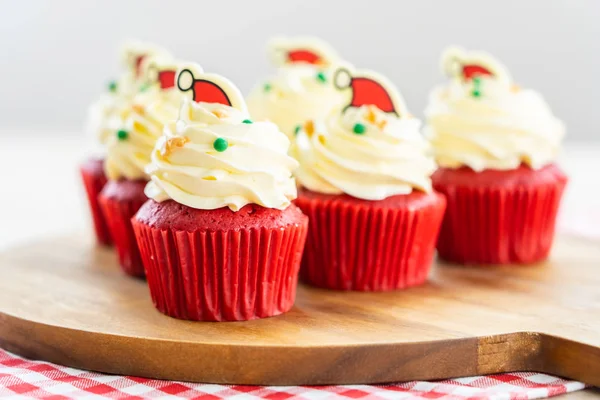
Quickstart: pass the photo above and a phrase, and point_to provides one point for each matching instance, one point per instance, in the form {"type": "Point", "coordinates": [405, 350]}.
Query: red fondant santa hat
{"type": "Point", "coordinates": [166, 78]}
{"type": "Point", "coordinates": [463, 65]}
{"type": "Point", "coordinates": [307, 50]}
{"type": "Point", "coordinates": [209, 88]}
{"type": "Point", "coordinates": [370, 88]}
{"type": "Point", "coordinates": [135, 53]}
{"type": "Point", "coordinates": [160, 69]}
{"type": "Point", "coordinates": [306, 56]}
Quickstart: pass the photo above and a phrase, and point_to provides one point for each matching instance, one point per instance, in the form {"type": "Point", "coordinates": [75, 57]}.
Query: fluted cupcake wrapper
{"type": "Point", "coordinates": [232, 275]}
{"type": "Point", "coordinates": [93, 184]}
{"type": "Point", "coordinates": [369, 248]}
{"type": "Point", "coordinates": [118, 214]}
{"type": "Point", "coordinates": [499, 224]}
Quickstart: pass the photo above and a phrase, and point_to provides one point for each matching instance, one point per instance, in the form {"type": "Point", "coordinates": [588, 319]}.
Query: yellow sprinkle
{"type": "Point", "coordinates": [382, 124]}
{"type": "Point", "coordinates": [124, 113]}
{"type": "Point", "coordinates": [371, 115]}
{"type": "Point", "coordinates": [515, 88]}
{"type": "Point", "coordinates": [322, 139]}
{"type": "Point", "coordinates": [172, 144]}
{"type": "Point", "coordinates": [309, 127]}
{"type": "Point", "coordinates": [138, 126]}
{"type": "Point", "coordinates": [219, 114]}
{"type": "Point", "coordinates": [138, 108]}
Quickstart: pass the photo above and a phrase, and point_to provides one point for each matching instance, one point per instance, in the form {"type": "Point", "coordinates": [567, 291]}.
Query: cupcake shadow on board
{"type": "Point", "coordinates": [219, 237]}
{"type": "Point", "coordinates": [496, 144]}
{"type": "Point", "coordinates": [365, 185]}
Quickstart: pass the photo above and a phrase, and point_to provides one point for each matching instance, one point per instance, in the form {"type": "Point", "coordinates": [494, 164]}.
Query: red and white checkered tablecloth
{"type": "Point", "coordinates": [26, 379]}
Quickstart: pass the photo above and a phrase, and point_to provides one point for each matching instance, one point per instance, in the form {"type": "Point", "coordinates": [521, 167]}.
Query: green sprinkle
{"type": "Point", "coordinates": [122, 134]}
{"type": "Point", "coordinates": [476, 87]}
{"type": "Point", "coordinates": [359, 128]}
{"type": "Point", "coordinates": [247, 121]}
{"type": "Point", "coordinates": [220, 144]}
{"type": "Point", "coordinates": [112, 86]}
{"type": "Point", "coordinates": [321, 77]}
{"type": "Point", "coordinates": [144, 87]}
{"type": "Point", "coordinates": [297, 129]}
{"type": "Point", "coordinates": [267, 87]}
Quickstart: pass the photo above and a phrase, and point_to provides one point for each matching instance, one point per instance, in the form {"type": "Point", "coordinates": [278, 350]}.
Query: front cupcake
{"type": "Point", "coordinates": [129, 148]}
{"type": "Point", "coordinates": [104, 120]}
{"type": "Point", "coordinates": [219, 238]}
{"type": "Point", "coordinates": [302, 88]}
{"type": "Point", "coordinates": [496, 145]}
{"type": "Point", "coordinates": [365, 186]}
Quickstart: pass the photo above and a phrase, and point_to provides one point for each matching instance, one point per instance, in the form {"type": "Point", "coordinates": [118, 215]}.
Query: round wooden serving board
{"type": "Point", "coordinates": [66, 301]}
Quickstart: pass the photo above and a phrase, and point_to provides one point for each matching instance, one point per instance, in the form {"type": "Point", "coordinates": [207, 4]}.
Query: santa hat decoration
{"type": "Point", "coordinates": [209, 88]}
{"type": "Point", "coordinates": [138, 60]}
{"type": "Point", "coordinates": [301, 50]}
{"type": "Point", "coordinates": [134, 54]}
{"type": "Point", "coordinates": [465, 66]}
{"type": "Point", "coordinates": [370, 88]}
{"type": "Point", "coordinates": [166, 78]}
{"type": "Point", "coordinates": [160, 69]}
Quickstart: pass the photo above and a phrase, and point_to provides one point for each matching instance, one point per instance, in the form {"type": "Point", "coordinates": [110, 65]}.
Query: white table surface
{"type": "Point", "coordinates": [41, 192]}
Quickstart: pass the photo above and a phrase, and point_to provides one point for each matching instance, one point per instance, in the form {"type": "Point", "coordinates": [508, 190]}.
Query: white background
{"type": "Point", "coordinates": [57, 55]}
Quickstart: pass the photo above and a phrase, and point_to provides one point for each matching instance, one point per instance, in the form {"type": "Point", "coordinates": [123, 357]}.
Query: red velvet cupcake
{"type": "Point", "coordinates": [496, 144]}
{"type": "Point", "coordinates": [94, 179]}
{"type": "Point", "coordinates": [499, 217]}
{"type": "Point", "coordinates": [128, 154]}
{"type": "Point", "coordinates": [219, 238]}
{"type": "Point", "coordinates": [356, 244]}
{"type": "Point", "coordinates": [366, 188]}
{"type": "Point", "coordinates": [302, 87]}
{"type": "Point", "coordinates": [105, 117]}
{"type": "Point", "coordinates": [120, 200]}
{"type": "Point", "coordinates": [221, 265]}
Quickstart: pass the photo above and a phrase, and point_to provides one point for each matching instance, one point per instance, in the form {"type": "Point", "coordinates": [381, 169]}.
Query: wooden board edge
{"type": "Point", "coordinates": [369, 364]}
{"type": "Point", "coordinates": [571, 359]}
{"type": "Point", "coordinates": [539, 352]}
{"type": "Point", "coordinates": [511, 352]}
{"type": "Point", "coordinates": [224, 364]}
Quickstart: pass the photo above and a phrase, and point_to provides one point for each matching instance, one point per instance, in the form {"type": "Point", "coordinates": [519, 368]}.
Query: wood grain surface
{"type": "Point", "coordinates": [586, 394]}
{"type": "Point", "coordinates": [66, 301]}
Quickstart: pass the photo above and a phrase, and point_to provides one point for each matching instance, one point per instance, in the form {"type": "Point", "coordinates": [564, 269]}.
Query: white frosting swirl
{"type": "Point", "coordinates": [296, 94]}
{"type": "Point", "coordinates": [500, 129]}
{"type": "Point", "coordinates": [255, 167]}
{"type": "Point", "coordinates": [389, 158]}
{"type": "Point", "coordinates": [143, 121]}
{"type": "Point", "coordinates": [104, 115]}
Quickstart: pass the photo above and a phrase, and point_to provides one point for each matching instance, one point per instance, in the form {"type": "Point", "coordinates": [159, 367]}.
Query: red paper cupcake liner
{"type": "Point", "coordinates": [92, 174]}
{"type": "Point", "coordinates": [120, 200]}
{"type": "Point", "coordinates": [364, 245]}
{"type": "Point", "coordinates": [499, 217]}
{"type": "Point", "coordinates": [233, 275]}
